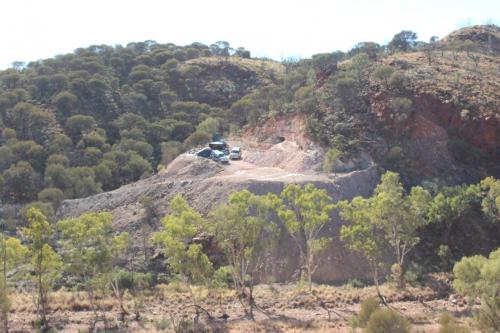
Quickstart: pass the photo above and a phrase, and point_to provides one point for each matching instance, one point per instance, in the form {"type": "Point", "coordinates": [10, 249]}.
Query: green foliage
{"type": "Point", "coordinates": [30, 122]}
{"type": "Point", "coordinates": [402, 108]}
{"type": "Point", "coordinates": [222, 277]}
{"type": "Point", "coordinates": [414, 273]}
{"type": "Point", "coordinates": [358, 64]}
{"type": "Point", "coordinates": [170, 150]}
{"type": "Point", "coordinates": [398, 82]}
{"type": "Point", "coordinates": [445, 254]}
{"type": "Point", "coordinates": [451, 204]}
{"type": "Point", "coordinates": [354, 323]}
{"type": "Point", "coordinates": [368, 307]}
{"type": "Point", "coordinates": [133, 281]}
{"type": "Point", "coordinates": [52, 195]}
{"type": "Point", "coordinates": [179, 228]}
{"type": "Point", "coordinates": [46, 263]}
{"type": "Point", "coordinates": [399, 216]}
{"type": "Point", "coordinates": [391, 213]}
{"type": "Point", "coordinates": [90, 249]}
{"type": "Point", "coordinates": [387, 321]}
{"type": "Point", "coordinates": [243, 232]}
{"type": "Point", "coordinates": [305, 211]}
{"type": "Point", "coordinates": [65, 102]}
{"type": "Point", "coordinates": [332, 155]}
{"type": "Point", "coordinates": [447, 324]}
{"type": "Point", "coordinates": [478, 276]}
{"type": "Point", "coordinates": [89, 244]}
{"type": "Point", "coordinates": [197, 139]}
{"type": "Point", "coordinates": [12, 254]}
{"type": "Point", "coordinates": [383, 73]}
{"type": "Point", "coordinates": [490, 188]}
{"type": "Point", "coordinates": [346, 90]}
{"type": "Point", "coordinates": [19, 183]}
{"type": "Point", "coordinates": [77, 125]}
{"type": "Point", "coordinates": [373, 50]}
{"type": "Point", "coordinates": [403, 41]}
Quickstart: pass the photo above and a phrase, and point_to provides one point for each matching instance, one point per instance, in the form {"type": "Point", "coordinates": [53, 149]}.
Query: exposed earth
{"type": "Point", "coordinates": [275, 154]}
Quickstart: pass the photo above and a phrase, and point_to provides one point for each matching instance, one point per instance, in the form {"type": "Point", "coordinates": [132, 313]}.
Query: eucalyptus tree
{"type": "Point", "coordinates": [244, 232]}
{"type": "Point", "coordinates": [305, 212]}
{"type": "Point", "coordinates": [46, 263]}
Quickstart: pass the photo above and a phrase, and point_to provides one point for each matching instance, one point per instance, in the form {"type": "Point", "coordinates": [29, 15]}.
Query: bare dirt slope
{"type": "Point", "coordinates": [275, 154]}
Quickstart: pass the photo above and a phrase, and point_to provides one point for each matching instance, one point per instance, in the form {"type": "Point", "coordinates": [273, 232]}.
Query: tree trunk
{"type": "Point", "coordinates": [401, 277]}
{"type": "Point", "coordinates": [251, 302]}
{"type": "Point", "coordinates": [309, 277]}
{"type": "Point", "coordinates": [375, 280]}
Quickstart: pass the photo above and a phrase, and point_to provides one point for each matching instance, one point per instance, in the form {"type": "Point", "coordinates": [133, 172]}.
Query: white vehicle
{"type": "Point", "coordinates": [235, 153]}
{"type": "Point", "coordinates": [219, 156]}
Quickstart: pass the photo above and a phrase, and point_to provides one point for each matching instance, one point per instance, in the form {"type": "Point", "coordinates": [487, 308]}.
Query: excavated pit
{"type": "Point", "coordinates": [267, 166]}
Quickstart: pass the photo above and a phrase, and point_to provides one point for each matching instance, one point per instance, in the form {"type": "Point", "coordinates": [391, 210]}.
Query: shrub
{"type": "Point", "coordinates": [51, 194]}
{"type": "Point", "coordinates": [368, 307]}
{"type": "Point", "coordinates": [382, 74]}
{"type": "Point", "coordinates": [354, 323]}
{"type": "Point", "coordinates": [401, 107]}
{"type": "Point", "coordinates": [464, 152]}
{"type": "Point", "coordinates": [398, 81]}
{"type": "Point", "coordinates": [133, 280]}
{"type": "Point", "coordinates": [414, 273]}
{"type": "Point", "coordinates": [448, 325]}
{"type": "Point", "coordinates": [387, 321]}
{"type": "Point", "coordinates": [355, 283]}
{"type": "Point", "coordinates": [331, 156]}
{"type": "Point", "coordinates": [478, 276]}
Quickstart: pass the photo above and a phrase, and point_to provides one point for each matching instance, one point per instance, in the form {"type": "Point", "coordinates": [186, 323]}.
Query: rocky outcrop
{"type": "Point", "coordinates": [486, 37]}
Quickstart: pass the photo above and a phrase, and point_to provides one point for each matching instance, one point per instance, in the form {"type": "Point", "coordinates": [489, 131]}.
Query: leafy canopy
{"type": "Point", "coordinates": [179, 227]}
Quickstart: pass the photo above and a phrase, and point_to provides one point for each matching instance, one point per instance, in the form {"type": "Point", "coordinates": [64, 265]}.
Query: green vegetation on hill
{"type": "Point", "coordinates": [101, 117]}
{"type": "Point", "coordinates": [95, 119]}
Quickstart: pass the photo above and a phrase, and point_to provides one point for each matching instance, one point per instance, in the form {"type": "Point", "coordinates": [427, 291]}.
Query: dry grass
{"type": "Point", "coordinates": [285, 308]}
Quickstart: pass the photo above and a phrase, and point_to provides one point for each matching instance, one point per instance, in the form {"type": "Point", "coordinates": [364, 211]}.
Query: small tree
{"type": "Point", "coordinates": [45, 261]}
{"type": "Point", "coordinates": [451, 204]}
{"type": "Point", "coordinates": [402, 108]}
{"type": "Point", "coordinates": [90, 247]}
{"type": "Point", "coordinates": [490, 188]}
{"type": "Point", "coordinates": [390, 214]}
{"type": "Point", "coordinates": [12, 253]}
{"type": "Point", "coordinates": [332, 155]}
{"type": "Point", "coordinates": [358, 64]}
{"type": "Point", "coordinates": [399, 217]}
{"type": "Point", "coordinates": [403, 41]}
{"type": "Point", "coordinates": [183, 256]}
{"type": "Point", "coordinates": [430, 48]}
{"type": "Point", "coordinates": [361, 235]}
{"type": "Point", "coordinates": [243, 232]}
{"type": "Point", "coordinates": [478, 276]}
{"type": "Point", "coordinates": [383, 73]}
{"type": "Point", "coordinates": [305, 211]}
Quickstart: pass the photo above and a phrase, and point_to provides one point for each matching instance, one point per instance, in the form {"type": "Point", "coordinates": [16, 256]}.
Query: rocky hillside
{"type": "Point", "coordinates": [487, 37]}
{"type": "Point", "coordinates": [271, 160]}
{"type": "Point", "coordinates": [107, 128]}
{"type": "Point", "coordinates": [454, 125]}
